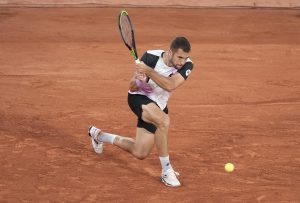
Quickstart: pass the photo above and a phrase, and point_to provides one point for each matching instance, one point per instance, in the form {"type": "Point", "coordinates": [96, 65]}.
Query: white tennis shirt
{"type": "Point", "coordinates": [154, 59]}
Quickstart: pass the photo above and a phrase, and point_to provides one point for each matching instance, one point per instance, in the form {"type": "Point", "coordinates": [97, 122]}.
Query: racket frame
{"type": "Point", "coordinates": [133, 50]}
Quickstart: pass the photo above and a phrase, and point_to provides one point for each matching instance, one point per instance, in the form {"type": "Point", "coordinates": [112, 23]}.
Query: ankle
{"type": "Point", "coordinates": [107, 137]}
{"type": "Point", "coordinates": [165, 163]}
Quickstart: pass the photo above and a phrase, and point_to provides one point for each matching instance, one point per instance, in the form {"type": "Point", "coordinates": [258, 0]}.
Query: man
{"type": "Point", "coordinates": [157, 75]}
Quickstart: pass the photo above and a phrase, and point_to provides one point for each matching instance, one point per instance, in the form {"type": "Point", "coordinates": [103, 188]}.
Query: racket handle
{"type": "Point", "coordinates": [137, 61]}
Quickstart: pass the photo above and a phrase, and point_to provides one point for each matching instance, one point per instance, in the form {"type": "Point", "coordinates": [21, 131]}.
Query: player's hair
{"type": "Point", "coordinates": [180, 43]}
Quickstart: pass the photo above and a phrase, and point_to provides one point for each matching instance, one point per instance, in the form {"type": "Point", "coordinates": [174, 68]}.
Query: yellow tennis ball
{"type": "Point", "coordinates": [229, 167]}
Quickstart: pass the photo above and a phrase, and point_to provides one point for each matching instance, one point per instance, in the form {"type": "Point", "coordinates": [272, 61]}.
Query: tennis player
{"type": "Point", "coordinates": [155, 79]}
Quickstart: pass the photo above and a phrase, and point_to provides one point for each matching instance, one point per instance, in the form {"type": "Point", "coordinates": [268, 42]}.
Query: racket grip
{"type": "Point", "coordinates": [137, 61]}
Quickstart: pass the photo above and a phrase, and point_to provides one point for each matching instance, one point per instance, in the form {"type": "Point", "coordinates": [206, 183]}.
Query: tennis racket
{"type": "Point", "coordinates": [127, 34]}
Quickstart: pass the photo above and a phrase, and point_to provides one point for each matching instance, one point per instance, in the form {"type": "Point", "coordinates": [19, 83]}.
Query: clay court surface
{"type": "Point", "coordinates": [62, 69]}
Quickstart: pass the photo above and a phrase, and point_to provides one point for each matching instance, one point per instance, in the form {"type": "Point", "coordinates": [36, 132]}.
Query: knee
{"type": "Point", "coordinates": [141, 154]}
{"type": "Point", "coordinates": [164, 121]}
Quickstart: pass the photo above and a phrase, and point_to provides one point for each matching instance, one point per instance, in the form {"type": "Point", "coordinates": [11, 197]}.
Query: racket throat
{"type": "Point", "coordinates": [132, 52]}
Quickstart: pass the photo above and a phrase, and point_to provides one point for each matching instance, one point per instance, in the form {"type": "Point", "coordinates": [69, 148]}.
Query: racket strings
{"type": "Point", "coordinates": [126, 30]}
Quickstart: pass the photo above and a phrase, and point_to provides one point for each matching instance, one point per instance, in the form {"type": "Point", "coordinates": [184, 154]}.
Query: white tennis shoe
{"type": "Point", "coordinates": [169, 178]}
{"type": "Point", "coordinates": [93, 133]}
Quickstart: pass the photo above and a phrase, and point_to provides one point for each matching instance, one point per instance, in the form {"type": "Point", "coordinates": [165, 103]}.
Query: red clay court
{"type": "Point", "coordinates": [62, 69]}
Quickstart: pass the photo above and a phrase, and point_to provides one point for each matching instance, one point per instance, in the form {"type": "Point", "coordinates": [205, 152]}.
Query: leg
{"type": "Point", "coordinates": [153, 114]}
{"type": "Point", "coordinates": [140, 147]}
{"type": "Point", "coordinates": [157, 122]}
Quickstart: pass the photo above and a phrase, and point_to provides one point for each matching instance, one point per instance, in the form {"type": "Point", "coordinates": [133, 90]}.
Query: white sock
{"type": "Point", "coordinates": [165, 163]}
{"type": "Point", "coordinates": [107, 137]}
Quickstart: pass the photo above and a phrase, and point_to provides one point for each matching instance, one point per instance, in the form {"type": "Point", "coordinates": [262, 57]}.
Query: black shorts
{"type": "Point", "coordinates": [135, 102]}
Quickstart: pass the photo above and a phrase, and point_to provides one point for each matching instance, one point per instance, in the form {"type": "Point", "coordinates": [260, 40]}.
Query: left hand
{"type": "Point", "coordinates": [141, 76]}
{"type": "Point", "coordinates": [142, 68]}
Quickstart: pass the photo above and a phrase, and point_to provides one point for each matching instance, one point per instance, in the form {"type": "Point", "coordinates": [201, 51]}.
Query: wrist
{"type": "Point", "coordinates": [149, 71]}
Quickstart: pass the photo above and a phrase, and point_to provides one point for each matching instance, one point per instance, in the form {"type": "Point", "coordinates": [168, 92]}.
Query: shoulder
{"type": "Point", "coordinates": [189, 61]}
{"type": "Point", "coordinates": [151, 57]}
{"type": "Point", "coordinates": [155, 52]}
{"type": "Point", "coordinates": [186, 70]}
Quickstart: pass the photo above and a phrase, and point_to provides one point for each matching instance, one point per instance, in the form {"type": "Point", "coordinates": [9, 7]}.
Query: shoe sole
{"type": "Point", "coordinates": [167, 184]}
{"type": "Point", "coordinates": [96, 149]}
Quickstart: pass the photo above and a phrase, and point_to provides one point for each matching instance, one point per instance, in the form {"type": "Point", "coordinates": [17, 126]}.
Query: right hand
{"type": "Point", "coordinates": [141, 76]}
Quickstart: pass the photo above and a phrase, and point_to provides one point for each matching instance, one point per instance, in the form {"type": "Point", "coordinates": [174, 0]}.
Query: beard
{"type": "Point", "coordinates": [172, 64]}
{"type": "Point", "coordinates": [178, 66]}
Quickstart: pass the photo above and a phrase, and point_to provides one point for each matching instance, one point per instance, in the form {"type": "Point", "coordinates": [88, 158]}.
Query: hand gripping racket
{"type": "Point", "coordinates": [127, 34]}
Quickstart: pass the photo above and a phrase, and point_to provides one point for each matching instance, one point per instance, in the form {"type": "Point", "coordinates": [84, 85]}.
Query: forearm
{"type": "Point", "coordinates": [132, 85]}
{"type": "Point", "coordinates": [161, 81]}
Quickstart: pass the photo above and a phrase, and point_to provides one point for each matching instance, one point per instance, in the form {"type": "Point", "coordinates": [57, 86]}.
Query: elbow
{"type": "Point", "coordinates": [170, 88]}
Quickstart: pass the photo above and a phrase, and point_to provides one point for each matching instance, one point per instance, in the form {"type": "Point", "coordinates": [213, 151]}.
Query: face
{"type": "Point", "coordinates": [178, 58]}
